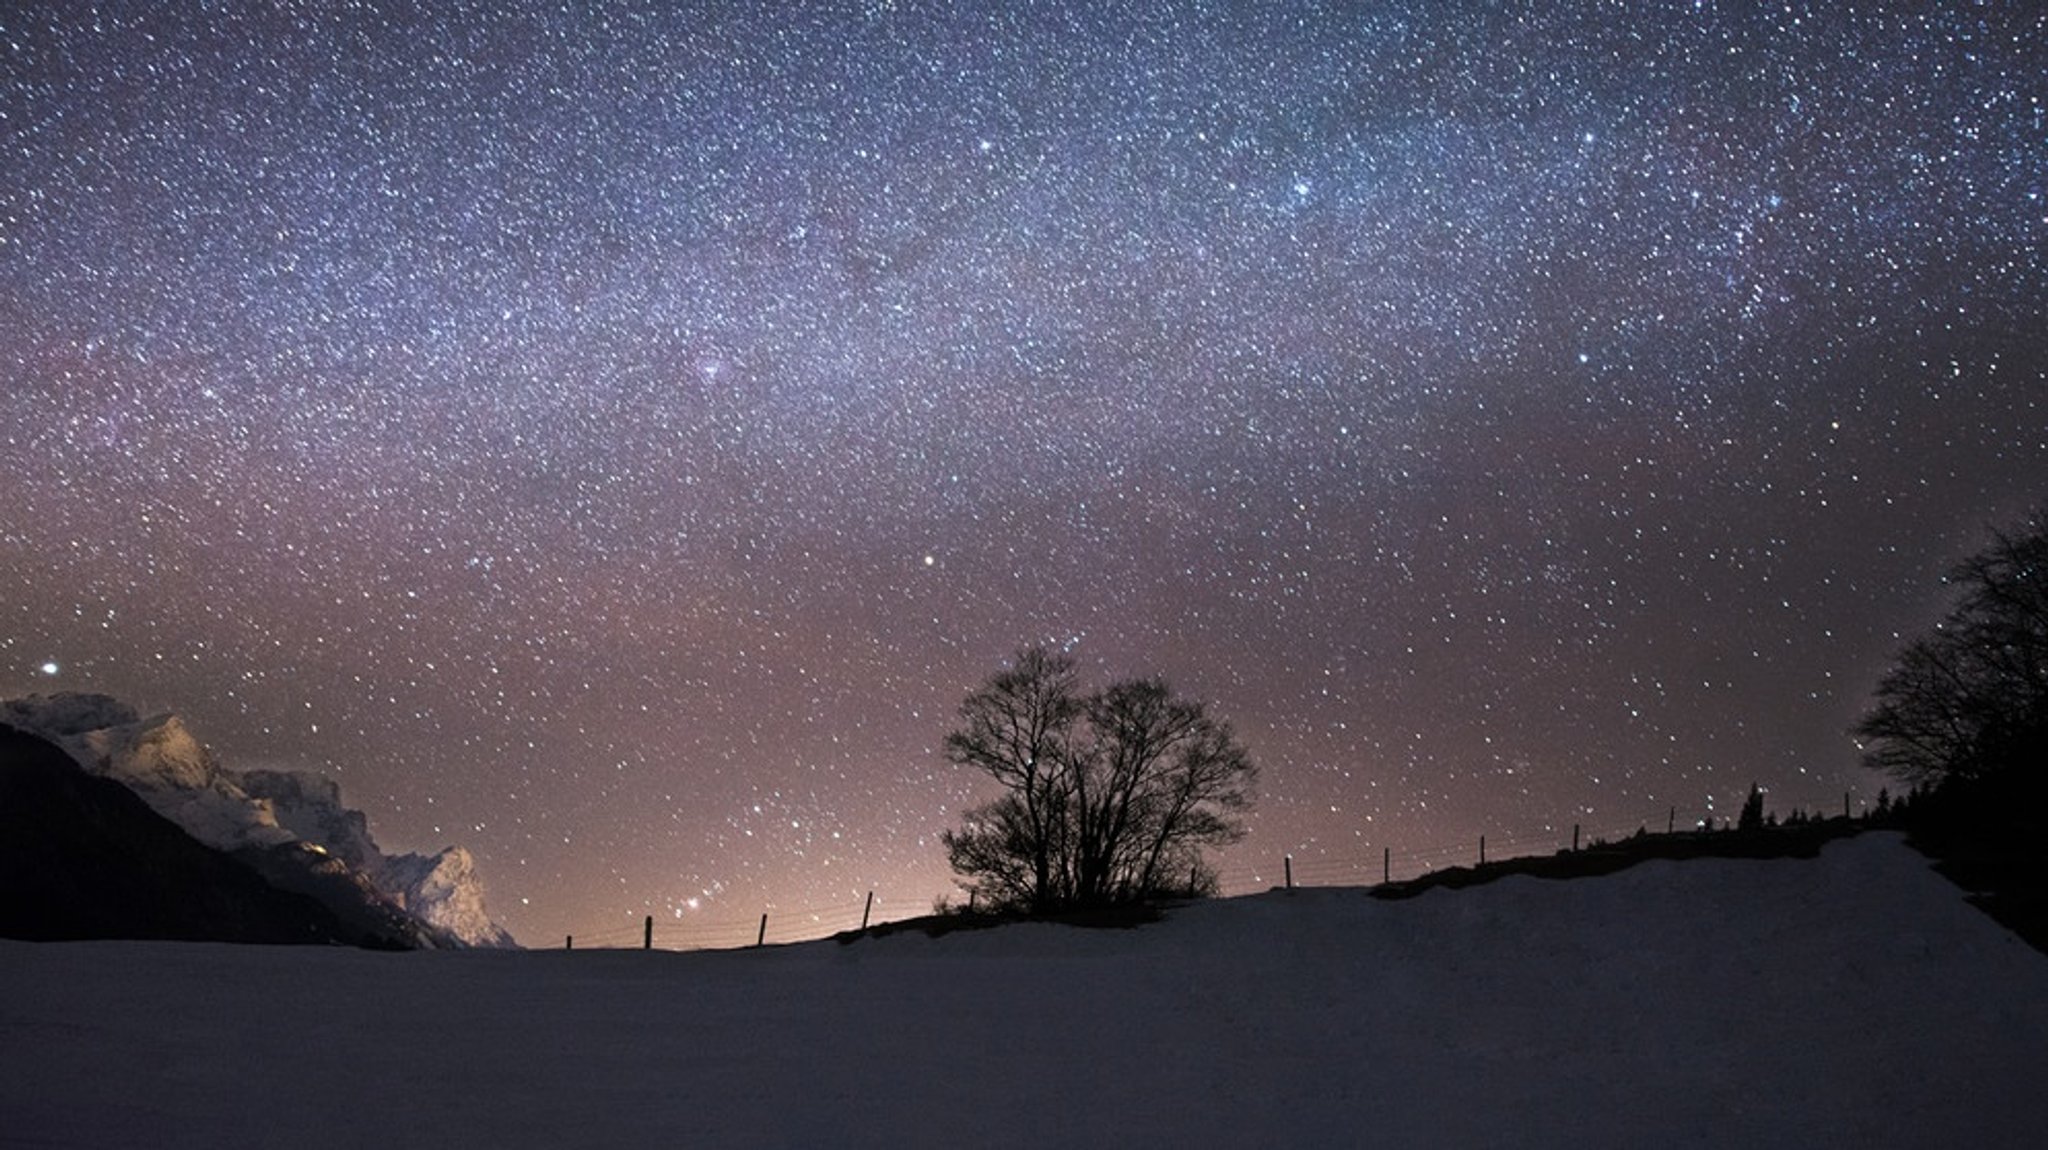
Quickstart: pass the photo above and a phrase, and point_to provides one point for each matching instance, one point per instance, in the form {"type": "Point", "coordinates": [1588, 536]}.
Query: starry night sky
{"type": "Point", "coordinates": [614, 439]}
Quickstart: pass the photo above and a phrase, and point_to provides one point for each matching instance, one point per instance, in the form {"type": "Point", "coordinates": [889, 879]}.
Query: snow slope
{"type": "Point", "coordinates": [1851, 1000]}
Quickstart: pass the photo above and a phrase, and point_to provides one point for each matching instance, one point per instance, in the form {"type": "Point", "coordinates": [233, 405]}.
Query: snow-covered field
{"type": "Point", "coordinates": [1853, 1000]}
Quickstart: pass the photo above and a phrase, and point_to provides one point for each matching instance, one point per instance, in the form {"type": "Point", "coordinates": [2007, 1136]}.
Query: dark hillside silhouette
{"type": "Point", "coordinates": [1800, 840]}
{"type": "Point", "coordinates": [1991, 839]}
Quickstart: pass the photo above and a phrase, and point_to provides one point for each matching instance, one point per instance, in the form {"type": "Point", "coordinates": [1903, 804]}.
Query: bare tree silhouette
{"type": "Point", "coordinates": [1109, 797]}
{"type": "Point", "coordinates": [1968, 702]}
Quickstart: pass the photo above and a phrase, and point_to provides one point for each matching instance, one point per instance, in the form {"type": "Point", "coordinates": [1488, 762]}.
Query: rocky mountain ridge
{"type": "Point", "coordinates": [290, 826]}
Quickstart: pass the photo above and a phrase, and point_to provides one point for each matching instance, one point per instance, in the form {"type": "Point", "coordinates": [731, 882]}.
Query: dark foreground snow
{"type": "Point", "coordinates": [1853, 1000]}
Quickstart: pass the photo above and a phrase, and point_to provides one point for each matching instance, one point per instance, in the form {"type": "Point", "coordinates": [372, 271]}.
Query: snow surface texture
{"type": "Point", "coordinates": [228, 810]}
{"type": "Point", "coordinates": [1851, 1000]}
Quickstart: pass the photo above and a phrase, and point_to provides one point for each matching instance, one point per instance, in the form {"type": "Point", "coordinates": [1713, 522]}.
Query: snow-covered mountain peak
{"type": "Point", "coordinates": [445, 891]}
{"type": "Point", "coordinates": [156, 757]}
{"type": "Point", "coordinates": [155, 752]}
{"type": "Point", "coordinates": [309, 805]}
{"type": "Point", "coordinates": [161, 761]}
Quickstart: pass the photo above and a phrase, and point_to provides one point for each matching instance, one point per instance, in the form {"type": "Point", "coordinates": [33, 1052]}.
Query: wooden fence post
{"type": "Point", "coordinates": [647, 935]}
{"type": "Point", "coordinates": [1671, 822]}
{"type": "Point", "coordinates": [1845, 804]}
{"type": "Point", "coordinates": [1386, 864]}
{"type": "Point", "coordinates": [867, 911]}
{"type": "Point", "coordinates": [1482, 850]}
{"type": "Point", "coordinates": [1287, 861]}
{"type": "Point", "coordinates": [1575, 838]}
{"type": "Point", "coordinates": [761, 939]}
{"type": "Point", "coordinates": [568, 942]}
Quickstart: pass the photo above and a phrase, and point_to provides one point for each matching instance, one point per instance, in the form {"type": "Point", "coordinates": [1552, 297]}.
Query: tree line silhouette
{"type": "Point", "coordinates": [1962, 719]}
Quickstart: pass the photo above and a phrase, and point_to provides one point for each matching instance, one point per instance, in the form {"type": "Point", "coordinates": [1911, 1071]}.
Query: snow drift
{"type": "Point", "coordinates": [291, 826]}
{"type": "Point", "coordinates": [1850, 1000]}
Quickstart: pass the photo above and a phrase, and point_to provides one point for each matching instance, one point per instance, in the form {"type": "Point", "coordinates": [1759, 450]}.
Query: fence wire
{"type": "Point", "coordinates": [1361, 864]}
{"type": "Point", "coordinates": [692, 931]}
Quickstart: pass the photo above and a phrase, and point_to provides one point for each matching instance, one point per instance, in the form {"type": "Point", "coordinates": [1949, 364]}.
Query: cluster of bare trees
{"type": "Point", "coordinates": [1968, 702]}
{"type": "Point", "coordinates": [1109, 796]}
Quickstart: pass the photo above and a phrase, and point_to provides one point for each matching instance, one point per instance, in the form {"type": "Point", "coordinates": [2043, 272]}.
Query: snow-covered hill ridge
{"type": "Point", "coordinates": [159, 759]}
{"type": "Point", "coordinates": [1852, 999]}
